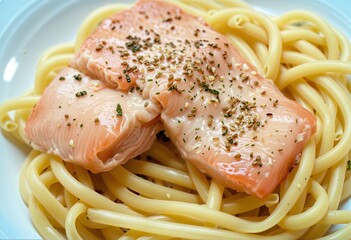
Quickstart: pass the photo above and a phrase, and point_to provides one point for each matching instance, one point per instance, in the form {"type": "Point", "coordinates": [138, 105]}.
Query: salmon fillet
{"type": "Point", "coordinates": [220, 113]}
{"type": "Point", "coordinates": [83, 122]}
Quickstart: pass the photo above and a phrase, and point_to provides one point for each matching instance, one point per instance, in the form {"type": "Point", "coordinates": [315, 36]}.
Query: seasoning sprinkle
{"type": "Point", "coordinates": [245, 67]}
{"type": "Point", "coordinates": [208, 89]}
{"type": "Point", "coordinates": [128, 78]}
{"type": "Point", "coordinates": [81, 94]}
{"type": "Point", "coordinates": [257, 161]}
{"type": "Point", "coordinates": [71, 143]}
{"type": "Point", "coordinates": [119, 110]}
{"type": "Point", "coordinates": [77, 77]}
{"type": "Point", "coordinates": [269, 114]}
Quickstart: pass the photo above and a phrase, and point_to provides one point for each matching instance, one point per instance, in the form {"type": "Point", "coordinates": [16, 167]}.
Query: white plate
{"type": "Point", "coordinates": [41, 24]}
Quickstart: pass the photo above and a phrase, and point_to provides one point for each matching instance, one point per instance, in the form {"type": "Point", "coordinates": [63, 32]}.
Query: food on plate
{"type": "Point", "coordinates": [215, 101]}
{"type": "Point", "coordinates": [220, 113]}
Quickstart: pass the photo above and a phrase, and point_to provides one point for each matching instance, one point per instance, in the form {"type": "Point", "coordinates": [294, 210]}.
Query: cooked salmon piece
{"type": "Point", "coordinates": [112, 53]}
{"type": "Point", "coordinates": [247, 140]}
{"type": "Point", "coordinates": [218, 110]}
{"type": "Point", "coordinates": [85, 123]}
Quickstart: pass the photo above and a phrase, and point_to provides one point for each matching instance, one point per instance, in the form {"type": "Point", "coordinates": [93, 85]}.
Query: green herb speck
{"type": "Point", "coordinates": [81, 94]}
{"type": "Point", "coordinates": [119, 110]}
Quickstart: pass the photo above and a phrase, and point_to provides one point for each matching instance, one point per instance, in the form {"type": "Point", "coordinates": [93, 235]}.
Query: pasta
{"type": "Point", "coordinates": [160, 196]}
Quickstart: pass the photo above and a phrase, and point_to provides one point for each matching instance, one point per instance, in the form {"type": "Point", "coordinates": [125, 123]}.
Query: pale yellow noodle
{"type": "Point", "coordinates": [41, 193]}
{"type": "Point", "coordinates": [339, 132]}
{"type": "Point", "coordinates": [188, 8]}
{"type": "Point", "coordinates": [8, 124]}
{"type": "Point", "coordinates": [238, 21]}
{"type": "Point", "coordinates": [309, 49]}
{"type": "Point", "coordinates": [70, 199]}
{"type": "Point", "coordinates": [300, 204]}
{"type": "Point", "coordinates": [93, 20]}
{"type": "Point", "coordinates": [311, 96]}
{"type": "Point", "coordinates": [322, 26]}
{"type": "Point", "coordinates": [11, 127]}
{"type": "Point", "coordinates": [340, 96]}
{"type": "Point", "coordinates": [199, 179]}
{"type": "Point", "coordinates": [298, 34]}
{"type": "Point", "coordinates": [318, 135]}
{"type": "Point", "coordinates": [83, 177]}
{"type": "Point", "coordinates": [343, 233]}
{"type": "Point", "coordinates": [160, 172]}
{"type": "Point", "coordinates": [18, 103]}
{"type": "Point", "coordinates": [250, 29]}
{"type": "Point", "coordinates": [261, 51]}
{"type": "Point", "coordinates": [345, 48]}
{"type": "Point", "coordinates": [313, 214]}
{"type": "Point", "coordinates": [60, 49]}
{"type": "Point", "coordinates": [163, 155]}
{"type": "Point", "coordinates": [175, 230]}
{"type": "Point", "coordinates": [150, 189]}
{"type": "Point", "coordinates": [346, 193]}
{"type": "Point", "coordinates": [40, 221]}
{"type": "Point", "coordinates": [205, 6]}
{"type": "Point", "coordinates": [295, 58]}
{"type": "Point", "coordinates": [43, 71]}
{"type": "Point", "coordinates": [112, 233]}
{"type": "Point", "coordinates": [312, 68]}
{"type": "Point", "coordinates": [248, 203]}
{"type": "Point", "coordinates": [84, 193]}
{"type": "Point", "coordinates": [336, 217]}
{"type": "Point", "coordinates": [23, 186]}
{"type": "Point", "coordinates": [134, 234]}
{"type": "Point", "coordinates": [215, 193]}
{"type": "Point", "coordinates": [334, 193]}
{"type": "Point", "coordinates": [246, 50]}
{"type": "Point", "coordinates": [270, 68]}
{"type": "Point", "coordinates": [70, 224]}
